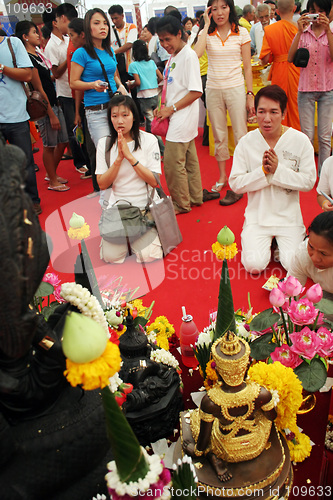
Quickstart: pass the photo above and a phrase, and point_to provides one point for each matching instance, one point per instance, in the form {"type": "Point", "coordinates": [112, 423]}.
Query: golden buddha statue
{"type": "Point", "coordinates": [235, 417]}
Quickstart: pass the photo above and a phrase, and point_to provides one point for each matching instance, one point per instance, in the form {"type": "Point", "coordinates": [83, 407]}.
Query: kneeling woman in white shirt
{"type": "Point", "coordinates": [314, 257]}
{"type": "Point", "coordinates": [134, 156]}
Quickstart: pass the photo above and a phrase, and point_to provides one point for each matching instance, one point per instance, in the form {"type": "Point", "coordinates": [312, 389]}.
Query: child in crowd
{"type": "Point", "coordinates": [146, 77]}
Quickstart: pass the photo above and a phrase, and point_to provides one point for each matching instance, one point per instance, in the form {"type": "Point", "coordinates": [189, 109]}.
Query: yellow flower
{"type": "Point", "coordinates": [301, 449]}
{"type": "Point", "coordinates": [224, 251]}
{"type": "Point", "coordinates": [162, 341]}
{"type": "Point", "coordinates": [79, 233]}
{"type": "Point", "coordinates": [161, 325]}
{"type": "Point", "coordinates": [96, 373]}
{"type": "Point", "coordinates": [282, 379]}
{"type": "Point", "coordinates": [137, 304]}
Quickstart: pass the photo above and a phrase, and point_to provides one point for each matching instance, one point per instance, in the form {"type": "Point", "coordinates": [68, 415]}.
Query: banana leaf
{"type": "Point", "coordinates": [225, 313]}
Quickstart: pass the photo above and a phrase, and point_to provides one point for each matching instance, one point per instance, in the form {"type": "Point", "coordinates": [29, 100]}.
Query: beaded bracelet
{"type": "Point", "coordinates": [136, 163]}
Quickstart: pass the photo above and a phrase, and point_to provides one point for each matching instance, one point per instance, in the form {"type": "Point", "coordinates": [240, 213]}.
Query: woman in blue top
{"type": "Point", "coordinates": [87, 74]}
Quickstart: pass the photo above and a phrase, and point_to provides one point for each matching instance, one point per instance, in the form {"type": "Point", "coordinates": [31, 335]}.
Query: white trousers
{"type": "Point", "coordinates": [257, 241]}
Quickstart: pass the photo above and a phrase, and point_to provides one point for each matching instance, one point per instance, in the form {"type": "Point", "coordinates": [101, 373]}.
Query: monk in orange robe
{"type": "Point", "coordinates": [275, 47]}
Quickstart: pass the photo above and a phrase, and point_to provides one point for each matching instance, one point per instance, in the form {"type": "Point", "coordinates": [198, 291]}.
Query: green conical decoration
{"type": "Point", "coordinates": [127, 452]}
{"type": "Point", "coordinates": [225, 312]}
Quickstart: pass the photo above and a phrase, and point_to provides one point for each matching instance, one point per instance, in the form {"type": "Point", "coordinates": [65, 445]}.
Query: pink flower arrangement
{"type": "Point", "coordinates": [292, 332]}
{"type": "Point", "coordinates": [305, 343]}
{"type": "Point", "coordinates": [52, 278]}
{"type": "Point", "coordinates": [286, 356]}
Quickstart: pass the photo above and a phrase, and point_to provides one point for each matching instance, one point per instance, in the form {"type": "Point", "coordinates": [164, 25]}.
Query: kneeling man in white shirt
{"type": "Point", "coordinates": [272, 164]}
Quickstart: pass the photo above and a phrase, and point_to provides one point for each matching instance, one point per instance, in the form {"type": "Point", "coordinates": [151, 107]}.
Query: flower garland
{"type": "Point", "coordinates": [96, 373]}
{"type": "Point", "coordinates": [224, 251]}
{"type": "Point", "coordinates": [154, 485]}
{"type": "Point", "coordinates": [79, 233]}
{"type": "Point", "coordinates": [277, 377]}
{"type": "Point", "coordinates": [85, 302]}
{"type": "Point", "coordinates": [165, 357]}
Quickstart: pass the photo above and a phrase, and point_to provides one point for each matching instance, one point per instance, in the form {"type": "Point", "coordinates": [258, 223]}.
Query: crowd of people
{"type": "Point", "coordinates": [106, 78]}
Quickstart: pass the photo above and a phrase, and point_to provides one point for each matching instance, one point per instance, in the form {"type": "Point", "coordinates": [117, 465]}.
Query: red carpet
{"type": "Point", "coordinates": [189, 276]}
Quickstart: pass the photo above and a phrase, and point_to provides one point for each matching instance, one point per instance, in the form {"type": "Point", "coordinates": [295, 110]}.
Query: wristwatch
{"type": "Point", "coordinates": [174, 108]}
{"type": "Point", "coordinates": [1, 68]}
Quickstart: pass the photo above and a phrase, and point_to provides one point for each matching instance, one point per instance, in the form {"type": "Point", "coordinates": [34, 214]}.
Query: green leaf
{"type": "Point", "coordinates": [183, 483]}
{"type": "Point", "coordinates": [131, 463]}
{"type": "Point", "coordinates": [325, 306]}
{"type": "Point", "coordinates": [312, 375]}
{"type": "Point", "coordinates": [48, 310]}
{"type": "Point", "coordinates": [264, 320]}
{"type": "Point", "coordinates": [140, 320]}
{"type": "Point", "coordinates": [226, 312]}
{"type": "Point", "coordinates": [262, 347]}
{"type": "Point", "coordinates": [44, 290]}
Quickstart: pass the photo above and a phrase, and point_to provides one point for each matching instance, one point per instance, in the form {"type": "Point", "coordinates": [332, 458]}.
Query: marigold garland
{"type": "Point", "coordinates": [161, 330]}
{"type": "Point", "coordinates": [96, 373]}
{"type": "Point", "coordinates": [79, 233]}
{"type": "Point", "coordinates": [283, 379]}
{"type": "Point", "coordinates": [224, 251]}
{"type": "Point", "coordinates": [300, 447]}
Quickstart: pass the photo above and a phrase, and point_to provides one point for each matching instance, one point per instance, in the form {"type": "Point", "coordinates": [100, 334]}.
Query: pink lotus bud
{"type": "Point", "coordinates": [315, 293]}
{"type": "Point", "coordinates": [276, 297]}
{"type": "Point", "coordinates": [293, 287]}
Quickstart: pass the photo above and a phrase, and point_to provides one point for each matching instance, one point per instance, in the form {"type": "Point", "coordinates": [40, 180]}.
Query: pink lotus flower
{"type": "Point", "coordinates": [306, 343]}
{"type": "Point", "coordinates": [315, 293]}
{"type": "Point", "coordinates": [57, 294]}
{"type": "Point", "coordinates": [326, 342]}
{"type": "Point", "coordinates": [291, 286]}
{"type": "Point", "coordinates": [302, 312]}
{"type": "Point", "coordinates": [277, 298]}
{"type": "Point", "coordinates": [286, 356]}
{"type": "Point", "coordinates": [51, 278]}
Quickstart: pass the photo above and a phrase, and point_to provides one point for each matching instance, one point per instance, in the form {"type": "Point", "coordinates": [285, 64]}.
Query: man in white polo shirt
{"type": "Point", "coordinates": [258, 30]}
{"type": "Point", "coordinates": [56, 52]}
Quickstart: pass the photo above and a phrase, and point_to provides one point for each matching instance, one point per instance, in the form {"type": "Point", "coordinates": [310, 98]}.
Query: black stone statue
{"type": "Point", "coordinates": [53, 443]}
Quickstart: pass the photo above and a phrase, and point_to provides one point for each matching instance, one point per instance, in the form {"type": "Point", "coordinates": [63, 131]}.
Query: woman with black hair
{"type": "Point", "coordinates": [133, 156]}
{"type": "Point", "coordinates": [181, 165]}
{"type": "Point", "coordinates": [316, 79]}
{"type": "Point", "coordinates": [52, 127]}
{"type": "Point", "coordinates": [314, 257]}
{"type": "Point", "coordinates": [228, 47]}
{"type": "Point", "coordinates": [87, 72]}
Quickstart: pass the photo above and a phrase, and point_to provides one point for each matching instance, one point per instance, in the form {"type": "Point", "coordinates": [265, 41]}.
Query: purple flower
{"type": "Point", "coordinates": [306, 343]}
{"type": "Point", "coordinates": [315, 293]}
{"type": "Point", "coordinates": [302, 312]}
{"type": "Point", "coordinates": [277, 298]}
{"type": "Point", "coordinates": [286, 356]}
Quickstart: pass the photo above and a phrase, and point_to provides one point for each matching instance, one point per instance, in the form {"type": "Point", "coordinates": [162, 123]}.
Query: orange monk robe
{"type": "Point", "coordinates": [277, 41]}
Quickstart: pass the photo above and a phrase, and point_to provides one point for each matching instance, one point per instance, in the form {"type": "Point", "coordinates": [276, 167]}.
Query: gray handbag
{"type": "Point", "coordinates": [166, 223]}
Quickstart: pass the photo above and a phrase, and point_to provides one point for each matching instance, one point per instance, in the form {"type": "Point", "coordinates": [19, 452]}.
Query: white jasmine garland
{"type": "Point", "coordinates": [151, 336]}
{"type": "Point", "coordinates": [115, 382]}
{"type": "Point", "coordinates": [85, 302]}
{"type": "Point", "coordinates": [275, 397]}
{"type": "Point", "coordinates": [165, 357]}
{"type": "Point", "coordinates": [143, 484]}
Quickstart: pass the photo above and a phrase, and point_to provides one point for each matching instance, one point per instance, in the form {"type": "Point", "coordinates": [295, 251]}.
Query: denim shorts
{"type": "Point", "coordinates": [98, 123]}
{"type": "Point", "coordinates": [51, 137]}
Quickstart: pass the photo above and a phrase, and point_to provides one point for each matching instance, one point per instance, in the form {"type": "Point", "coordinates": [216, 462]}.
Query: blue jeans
{"type": "Point", "coordinates": [19, 135]}
{"type": "Point", "coordinates": [68, 107]}
{"type": "Point", "coordinates": [306, 110]}
{"type": "Point", "coordinates": [98, 124]}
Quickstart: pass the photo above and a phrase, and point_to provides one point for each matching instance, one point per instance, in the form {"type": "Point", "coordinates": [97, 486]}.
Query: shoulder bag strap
{"type": "Point", "coordinates": [105, 76]}
{"type": "Point", "coordinates": [116, 35]}
{"type": "Point", "coordinates": [9, 43]}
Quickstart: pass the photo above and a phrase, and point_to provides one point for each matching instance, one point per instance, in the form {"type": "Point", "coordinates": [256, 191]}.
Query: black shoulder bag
{"type": "Point", "coordinates": [36, 104]}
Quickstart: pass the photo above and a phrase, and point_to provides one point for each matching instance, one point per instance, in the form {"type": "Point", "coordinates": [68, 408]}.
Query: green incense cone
{"type": "Point", "coordinates": [130, 461]}
{"type": "Point", "coordinates": [225, 312]}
